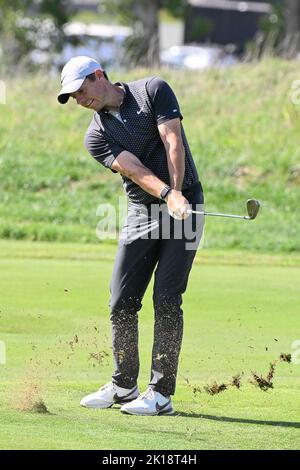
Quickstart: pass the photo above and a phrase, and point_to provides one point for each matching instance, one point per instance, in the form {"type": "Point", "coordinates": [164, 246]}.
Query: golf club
{"type": "Point", "coordinates": [252, 208]}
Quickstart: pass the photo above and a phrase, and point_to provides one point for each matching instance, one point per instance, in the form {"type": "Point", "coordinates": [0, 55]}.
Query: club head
{"type": "Point", "coordinates": [252, 208]}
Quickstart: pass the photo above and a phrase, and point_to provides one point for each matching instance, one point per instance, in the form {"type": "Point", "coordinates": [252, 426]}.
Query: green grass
{"type": "Point", "coordinates": [240, 314]}
{"type": "Point", "coordinates": [242, 128]}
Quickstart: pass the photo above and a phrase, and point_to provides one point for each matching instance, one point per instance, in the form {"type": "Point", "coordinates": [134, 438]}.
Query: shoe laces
{"type": "Point", "coordinates": [105, 386]}
{"type": "Point", "coordinates": [149, 393]}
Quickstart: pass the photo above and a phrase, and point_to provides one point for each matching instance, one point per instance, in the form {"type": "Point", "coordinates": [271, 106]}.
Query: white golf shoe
{"type": "Point", "coordinates": [109, 395]}
{"type": "Point", "coordinates": [150, 403]}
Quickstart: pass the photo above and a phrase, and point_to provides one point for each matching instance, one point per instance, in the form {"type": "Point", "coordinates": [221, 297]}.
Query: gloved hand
{"type": "Point", "coordinates": [177, 205]}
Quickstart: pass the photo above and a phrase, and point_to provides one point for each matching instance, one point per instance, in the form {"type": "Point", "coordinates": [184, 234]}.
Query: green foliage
{"type": "Point", "coordinates": [175, 7]}
{"type": "Point", "coordinates": [50, 293]}
{"type": "Point", "coordinates": [242, 128]}
{"type": "Point", "coordinates": [6, 5]}
{"type": "Point", "coordinates": [142, 46]}
{"type": "Point", "coordinates": [22, 31]}
{"type": "Point", "coordinates": [125, 10]}
{"type": "Point", "coordinates": [57, 9]}
{"type": "Point", "coordinates": [200, 27]}
{"type": "Point", "coordinates": [274, 24]}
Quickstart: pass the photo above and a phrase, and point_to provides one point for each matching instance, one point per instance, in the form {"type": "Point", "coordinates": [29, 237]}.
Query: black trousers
{"type": "Point", "coordinates": [152, 241]}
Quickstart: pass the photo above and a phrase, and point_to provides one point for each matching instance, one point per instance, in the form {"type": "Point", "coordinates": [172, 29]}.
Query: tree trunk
{"type": "Point", "coordinates": [292, 17]}
{"type": "Point", "coordinates": [147, 14]}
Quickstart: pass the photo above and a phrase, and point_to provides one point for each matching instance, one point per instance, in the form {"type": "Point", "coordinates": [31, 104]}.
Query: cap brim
{"type": "Point", "coordinates": [71, 87]}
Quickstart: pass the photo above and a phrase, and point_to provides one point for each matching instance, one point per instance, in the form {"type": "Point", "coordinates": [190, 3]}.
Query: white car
{"type": "Point", "coordinates": [197, 57]}
{"type": "Point", "coordinates": [97, 40]}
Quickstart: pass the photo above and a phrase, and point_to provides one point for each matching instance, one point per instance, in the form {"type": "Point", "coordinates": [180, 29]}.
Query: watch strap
{"type": "Point", "coordinates": [166, 190]}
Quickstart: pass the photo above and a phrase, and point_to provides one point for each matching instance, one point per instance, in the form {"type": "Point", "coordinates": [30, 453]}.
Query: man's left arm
{"type": "Point", "coordinates": [170, 133]}
{"type": "Point", "coordinates": [168, 117]}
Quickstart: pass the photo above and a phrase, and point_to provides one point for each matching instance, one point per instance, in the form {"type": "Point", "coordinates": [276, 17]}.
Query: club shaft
{"type": "Point", "coordinates": [216, 214]}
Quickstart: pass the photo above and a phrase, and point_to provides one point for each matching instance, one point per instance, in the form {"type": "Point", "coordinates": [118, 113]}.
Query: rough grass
{"type": "Point", "coordinates": [242, 128]}
{"type": "Point", "coordinates": [55, 324]}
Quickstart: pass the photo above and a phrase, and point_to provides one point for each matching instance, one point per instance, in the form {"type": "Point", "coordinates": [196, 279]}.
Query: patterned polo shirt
{"type": "Point", "coordinates": [147, 103]}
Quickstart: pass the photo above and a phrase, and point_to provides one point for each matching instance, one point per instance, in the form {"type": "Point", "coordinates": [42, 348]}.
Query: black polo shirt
{"type": "Point", "coordinates": [147, 103]}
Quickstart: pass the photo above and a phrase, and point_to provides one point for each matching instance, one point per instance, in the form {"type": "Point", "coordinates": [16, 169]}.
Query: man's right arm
{"type": "Point", "coordinates": [115, 158]}
{"type": "Point", "coordinates": [130, 166]}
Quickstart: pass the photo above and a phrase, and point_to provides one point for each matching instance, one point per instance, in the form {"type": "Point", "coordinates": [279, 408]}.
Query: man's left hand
{"type": "Point", "coordinates": [177, 205]}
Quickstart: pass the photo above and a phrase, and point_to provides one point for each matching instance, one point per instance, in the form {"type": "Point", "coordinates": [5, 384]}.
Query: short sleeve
{"type": "Point", "coordinates": [163, 99]}
{"type": "Point", "coordinates": [101, 149]}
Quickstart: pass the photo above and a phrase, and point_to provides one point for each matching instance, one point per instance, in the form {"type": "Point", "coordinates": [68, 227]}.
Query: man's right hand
{"type": "Point", "coordinates": [177, 204]}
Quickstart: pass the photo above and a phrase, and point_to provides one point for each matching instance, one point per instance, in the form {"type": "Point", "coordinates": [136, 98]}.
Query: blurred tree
{"type": "Point", "coordinates": [58, 10]}
{"type": "Point", "coordinates": [283, 27]}
{"type": "Point", "coordinates": [143, 46]}
{"type": "Point", "coordinates": [143, 16]}
{"type": "Point", "coordinates": [27, 25]}
{"type": "Point", "coordinates": [292, 16]}
{"type": "Point", "coordinates": [279, 32]}
{"type": "Point", "coordinates": [175, 7]}
{"type": "Point", "coordinates": [11, 40]}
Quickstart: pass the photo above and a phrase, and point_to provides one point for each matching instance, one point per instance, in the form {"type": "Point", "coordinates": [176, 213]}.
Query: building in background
{"type": "Point", "coordinates": [224, 21]}
{"type": "Point", "coordinates": [87, 5]}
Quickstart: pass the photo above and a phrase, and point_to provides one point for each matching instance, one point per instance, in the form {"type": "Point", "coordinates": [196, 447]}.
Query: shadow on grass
{"type": "Point", "coordinates": [227, 419]}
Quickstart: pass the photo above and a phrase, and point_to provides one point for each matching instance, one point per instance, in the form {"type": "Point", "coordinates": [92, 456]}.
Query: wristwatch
{"type": "Point", "coordinates": [166, 190]}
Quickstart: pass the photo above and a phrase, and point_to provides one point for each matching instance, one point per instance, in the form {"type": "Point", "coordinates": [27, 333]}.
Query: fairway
{"type": "Point", "coordinates": [55, 325]}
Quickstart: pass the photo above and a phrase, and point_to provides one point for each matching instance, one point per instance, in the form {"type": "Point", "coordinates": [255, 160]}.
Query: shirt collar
{"type": "Point", "coordinates": [124, 87]}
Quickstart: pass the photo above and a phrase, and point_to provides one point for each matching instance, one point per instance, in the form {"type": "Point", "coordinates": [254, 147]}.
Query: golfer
{"type": "Point", "coordinates": [136, 131]}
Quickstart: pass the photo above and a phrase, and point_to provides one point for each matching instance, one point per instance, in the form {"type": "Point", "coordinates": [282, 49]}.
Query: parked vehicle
{"type": "Point", "coordinates": [197, 57]}
{"type": "Point", "coordinates": [105, 42]}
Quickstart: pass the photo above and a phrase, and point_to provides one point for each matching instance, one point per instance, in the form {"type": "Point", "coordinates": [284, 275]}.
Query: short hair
{"type": "Point", "coordinates": [92, 76]}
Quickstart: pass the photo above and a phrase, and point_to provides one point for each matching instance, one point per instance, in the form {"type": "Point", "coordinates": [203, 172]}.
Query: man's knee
{"type": "Point", "coordinates": [124, 306]}
{"type": "Point", "coordinates": [167, 302]}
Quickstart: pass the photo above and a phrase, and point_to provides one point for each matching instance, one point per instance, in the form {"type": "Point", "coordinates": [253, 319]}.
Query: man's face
{"type": "Point", "coordinates": [90, 94]}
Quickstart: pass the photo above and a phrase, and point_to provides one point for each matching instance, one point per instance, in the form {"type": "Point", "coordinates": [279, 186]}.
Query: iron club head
{"type": "Point", "coordinates": [253, 206]}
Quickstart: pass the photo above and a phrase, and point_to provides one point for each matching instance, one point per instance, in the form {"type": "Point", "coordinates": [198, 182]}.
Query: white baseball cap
{"type": "Point", "coordinates": [74, 73]}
